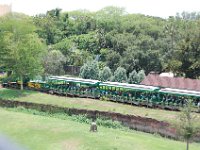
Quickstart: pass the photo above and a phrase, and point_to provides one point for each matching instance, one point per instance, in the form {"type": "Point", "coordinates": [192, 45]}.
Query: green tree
{"type": "Point", "coordinates": [53, 63]}
{"type": "Point", "coordinates": [105, 74]}
{"type": "Point", "coordinates": [133, 77]}
{"type": "Point", "coordinates": [79, 57]}
{"type": "Point", "coordinates": [82, 21]}
{"type": "Point", "coordinates": [120, 75]}
{"type": "Point", "coordinates": [66, 46]}
{"type": "Point", "coordinates": [87, 42]}
{"type": "Point", "coordinates": [50, 26]}
{"type": "Point", "coordinates": [24, 50]}
{"type": "Point", "coordinates": [141, 76]}
{"type": "Point", "coordinates": [90, 70]}
{"type": "Point", "coordinates": [187, 127]}
{"type": "Point", "coordinates": [133, 41]}
{"type": "Point", "coordinates": [113, 60]}
{"type": "Point", "coordinates": [108, 18]}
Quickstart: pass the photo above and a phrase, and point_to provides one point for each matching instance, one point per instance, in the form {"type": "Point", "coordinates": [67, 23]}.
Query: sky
{"type": "Point", "coordinates": [159, 8]}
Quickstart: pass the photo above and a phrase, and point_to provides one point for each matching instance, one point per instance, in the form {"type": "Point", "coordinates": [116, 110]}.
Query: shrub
{"type": "Point", "coordinates": [90, 70]}
{"type": "Point", "coordinates": [120, 75]}
{"type": "Point", "coordinates": [133, 77]}
{"type": "Point", "coordinates": [105, 74]}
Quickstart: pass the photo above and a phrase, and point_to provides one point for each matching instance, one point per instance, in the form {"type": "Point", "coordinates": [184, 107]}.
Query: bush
{"type": "Point", "coordinates": [133, 77]}
{"type": "Point", "coordinates": [90, 70]}
{"type": "Point", "coordinates": [79, 118]}
{"type": "Point", "coordinates": [105, 74]}
{"type": "Point", "coordinates": [109, 123]}
{"type": "Point", "coordinates": [53, 63]}
{"type": "Point", "coordinates": [120, 75]}
{"type": "Point", "coordinates": [141, 76]}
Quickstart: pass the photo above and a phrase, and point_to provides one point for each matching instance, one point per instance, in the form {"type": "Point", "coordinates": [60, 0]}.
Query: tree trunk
{"type": "Point", "coordinates": [187, 144]}
{"type": "Point", "coordinates": [21, 84]}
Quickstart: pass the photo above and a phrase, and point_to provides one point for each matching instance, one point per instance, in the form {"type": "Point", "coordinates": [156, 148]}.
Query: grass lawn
{"type": "Point", "coordinates": [37, 97]}
{"type": "Point", "coordinates": [47, 133]}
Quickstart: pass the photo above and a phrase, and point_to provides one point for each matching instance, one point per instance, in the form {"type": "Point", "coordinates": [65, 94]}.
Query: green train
{"type": "Point", "coordinates": [134, 94]}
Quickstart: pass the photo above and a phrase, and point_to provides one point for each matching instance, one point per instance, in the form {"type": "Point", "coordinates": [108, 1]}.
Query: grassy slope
{"type": "Point", "coordinates": [31, 96]}
{"type": "Point", "coordinates": [39, 132]}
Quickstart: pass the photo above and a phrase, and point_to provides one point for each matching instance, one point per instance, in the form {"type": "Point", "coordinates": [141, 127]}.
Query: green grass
{"type": "Point", "coordinates": [37, 97]}
{"type": "Point", "coordinates": [48, 133]}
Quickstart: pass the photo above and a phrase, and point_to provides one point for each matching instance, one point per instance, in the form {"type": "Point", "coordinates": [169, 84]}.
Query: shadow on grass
{"type": "Point", "coordinates": [14, 93]}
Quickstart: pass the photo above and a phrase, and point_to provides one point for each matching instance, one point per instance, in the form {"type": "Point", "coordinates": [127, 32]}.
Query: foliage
{"type": "Point", "coordinates": [53, 63]}
{"type": "Point", "coordinates": [86, 42]}
{"type": "Point", "coordinates": [187, 127]}
{"type": "Point", "coordinates": [66, 46]}
{"type": "Point", "coordinates": [113, 60]}
{"type": "Point", "coordinates": [90, 70]}
{"type": "Point", "coordinates": [105, 74]}
{"type": "Point", "coordinates": [78, 57]}
{"type": "Point", "coordinates": [133, 41]}
{"type": "Point", "coordinates": [109, 123]}
{"type": "Point", "coordinates": [120, 75]}
{"type": "Point", "coordinates": [24, 49]}
{"type": "Point", "coordinates": [141, 76]}
{"type": "Point", "coordinates": [133, 77]}
{"type": "Point", "coordinates": [51, 26]}
{"type": "Point", "coordinates": [116, 38]}
{"type": "Point", "coordinates": [11, 78]}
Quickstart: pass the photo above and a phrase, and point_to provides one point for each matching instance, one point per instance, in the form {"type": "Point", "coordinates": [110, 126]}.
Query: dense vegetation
{"type": "Point", "coordinates": [115, 40]}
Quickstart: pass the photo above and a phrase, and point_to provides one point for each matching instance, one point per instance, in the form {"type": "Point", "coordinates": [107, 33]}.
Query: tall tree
{"type": "Point", "coordinates": [186, 127]}
{"type": "Point", "coordinates": [50, 26]}
{"type": "Point", "coordinates": [24, 48]}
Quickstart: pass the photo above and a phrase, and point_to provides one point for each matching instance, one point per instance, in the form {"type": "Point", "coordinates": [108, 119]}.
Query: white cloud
{"type": "Point", "coordinates": [162, 8]}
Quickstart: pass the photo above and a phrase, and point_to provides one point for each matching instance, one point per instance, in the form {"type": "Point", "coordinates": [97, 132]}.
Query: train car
{"type": "Point", "coordinates": [129, 93]}
{"type": "Point", "coordinates": [135, 94]}
{"type": "Point", "coordinates": [175, 98]}
{"type": "Point", "coordinates": [38, 85]}
{"type": "Point", "coordinates": [74, 86]}
{"type": "Point", "coordinates": [13, 84]}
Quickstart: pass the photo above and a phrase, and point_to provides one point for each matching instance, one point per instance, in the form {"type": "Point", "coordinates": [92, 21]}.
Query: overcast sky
{"type": "Point", "coordinates": [160, 8]}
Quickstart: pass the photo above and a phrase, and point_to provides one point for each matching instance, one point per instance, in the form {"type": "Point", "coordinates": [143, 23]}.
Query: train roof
{"type": "Point", "coordinates": [180, 92]}
{"type": "Point", "coordinates": [37, 81]}
{"type": "Point", "coordinates": [129, 86]}
{"type": "Point", "coordinates": [76, 80]}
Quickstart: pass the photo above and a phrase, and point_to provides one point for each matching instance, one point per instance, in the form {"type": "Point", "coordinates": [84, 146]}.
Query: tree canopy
{"type": "Point", "coordinates": [133, 41]}
{"type": "Point", "coordinates": [110, 36]}
{"type": "Point", "coordinates": [22, 49]}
